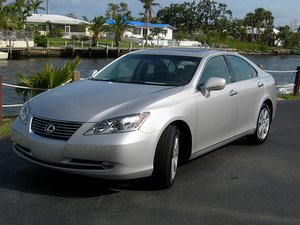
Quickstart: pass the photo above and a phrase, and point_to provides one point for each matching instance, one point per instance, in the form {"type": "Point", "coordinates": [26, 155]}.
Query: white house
{"type": "Point", "coordinates": [69, 26]}
{"type": "Point", "coordinates": [140, 30]}
{"type": "Point", "coordinates": [251, 31]}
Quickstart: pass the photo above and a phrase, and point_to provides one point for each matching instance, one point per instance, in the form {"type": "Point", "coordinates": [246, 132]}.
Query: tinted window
{"type": "Point", "coordinates": [241, 69]}
{"type": "Point", "coordinates": [253, 71]}
{"type": "Point", "coordinates": [151, 69]}
{"type": "Point", "coordinates": [215, 67]}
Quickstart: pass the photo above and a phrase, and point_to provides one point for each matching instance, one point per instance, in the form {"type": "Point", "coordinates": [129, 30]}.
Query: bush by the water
{"type": "Point", "coordinates": [50, 77]}
{"type": "Point", "coordinates": [40, 40]}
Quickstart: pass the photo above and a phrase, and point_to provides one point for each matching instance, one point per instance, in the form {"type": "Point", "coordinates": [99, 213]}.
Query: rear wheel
{"type": "Point", "coordinates": [166, 157]}
{"type": "Point", "coordinates": [262, 127]}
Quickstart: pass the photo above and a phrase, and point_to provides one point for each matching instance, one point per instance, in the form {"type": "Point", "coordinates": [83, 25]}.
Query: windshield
{"type": "Point", "coordinates": [151, 69]}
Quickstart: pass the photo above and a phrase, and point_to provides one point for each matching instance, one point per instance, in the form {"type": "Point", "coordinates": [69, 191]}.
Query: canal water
{"type": "Point", "coordinates": [9, 68]}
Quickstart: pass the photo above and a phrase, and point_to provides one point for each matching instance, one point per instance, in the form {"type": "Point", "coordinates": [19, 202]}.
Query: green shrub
{"type": "Point", "coordinates": [50, 77]}
{"type": "Point", "coordinates": [40, 40]}
{"type": "Point", "coordinates": [6, 127]}
{"type": "Point", "coordinates": [84, 37]}
{"type": "Point", "coordinates": [75, 37]}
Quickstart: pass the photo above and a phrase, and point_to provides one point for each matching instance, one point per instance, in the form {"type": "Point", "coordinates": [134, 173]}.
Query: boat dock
{"type": "Point", "coordinates": [66, 52]}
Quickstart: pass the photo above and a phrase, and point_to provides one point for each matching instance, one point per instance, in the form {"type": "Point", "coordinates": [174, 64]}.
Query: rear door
{"type": "Point", "coordinates": [250, 91]}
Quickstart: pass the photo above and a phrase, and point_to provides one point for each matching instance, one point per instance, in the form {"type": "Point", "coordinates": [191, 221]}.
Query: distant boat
{"type": "Point", "coordinates": [3, 55]}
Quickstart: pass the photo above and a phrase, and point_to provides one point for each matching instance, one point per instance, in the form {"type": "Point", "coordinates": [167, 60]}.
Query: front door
{"type": "Point", "coordinates": [217, 113]}
{"type": "Point", "coordinates": [68, 31]}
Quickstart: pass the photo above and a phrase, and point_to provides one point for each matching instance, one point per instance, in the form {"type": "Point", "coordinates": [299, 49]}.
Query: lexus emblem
{"type": "Point", "coordinates": [49, 128]}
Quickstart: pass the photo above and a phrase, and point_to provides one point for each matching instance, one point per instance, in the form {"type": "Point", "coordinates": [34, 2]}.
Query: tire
{"type": "Point", "coordinates": [166, 158]}
{"type": "Point", "coordinates": [262, 127]}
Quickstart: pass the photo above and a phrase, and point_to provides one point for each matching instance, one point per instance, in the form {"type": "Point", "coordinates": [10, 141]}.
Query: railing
{"type": "Point", "coordinates": [293, 83]}
{"type": "Point", "coordinates": [76, 77]}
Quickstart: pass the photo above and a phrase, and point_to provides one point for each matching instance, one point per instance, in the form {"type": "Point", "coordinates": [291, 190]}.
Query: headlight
{"type": "Point", "coordinates": [24, 113]}
{"type": "Point", "coordinates": [119, 124]}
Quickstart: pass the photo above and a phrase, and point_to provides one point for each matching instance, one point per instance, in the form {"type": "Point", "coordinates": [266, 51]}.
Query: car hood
{"type": "Point", "coordinates": [90, 100]}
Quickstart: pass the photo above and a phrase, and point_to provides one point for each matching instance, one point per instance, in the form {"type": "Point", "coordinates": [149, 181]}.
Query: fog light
{"type": "Point", "coordinates": [107, 165]}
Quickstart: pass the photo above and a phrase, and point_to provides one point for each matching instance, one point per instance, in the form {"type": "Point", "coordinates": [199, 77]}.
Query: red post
{"type": "Point", "coordinates": [297, 82]}
{"type": "Point", "coordinates": [1, 119]}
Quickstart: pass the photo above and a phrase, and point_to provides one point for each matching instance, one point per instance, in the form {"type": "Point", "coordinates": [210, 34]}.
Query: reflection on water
{"type": "Point", "coordinates": [9, 68]}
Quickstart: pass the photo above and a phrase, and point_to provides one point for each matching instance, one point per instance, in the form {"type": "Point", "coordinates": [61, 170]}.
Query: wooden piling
{"type": "Point", "coordinates": [76, 76]}
{"type": "Point", "coordinates": [130, 47]}
{"type": "Point", "coordinates": [297, 82]}
{"type": "Point", "coordinates": [106, 50]}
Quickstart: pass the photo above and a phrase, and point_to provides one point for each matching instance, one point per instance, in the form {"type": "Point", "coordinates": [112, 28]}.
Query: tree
{"type": "Point", "coordinates": [13, 15]}
{"type": "Point", "coordinates": [290, 39]}
{"type": "Point", "coordinates": [237, 30]}
{"type": "Point", "coordinates": [148, 9]}
{"type": "Point", "coordinates": [258, 22]}
{"type": "Point", "coordinates": [114, 10]}
{"type": "Point", "coordinates": [96, 26]}
{"type": "Point", "coordinates": [71, 15]}
{"type": "Point", "coordinates": [158, 31]}
{"type": "Point", "coordinates": [36, 5]}
{"type": "Point", "coordinates": [182, 16]}
{"type": "Point", "coordinates": [196, 16]}
{"type": "Point", "coordinates": [118, 26]}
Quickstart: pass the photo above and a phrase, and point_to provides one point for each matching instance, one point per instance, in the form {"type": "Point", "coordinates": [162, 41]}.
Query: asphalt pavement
{"type": "Point", "coordinates": [236, 184]}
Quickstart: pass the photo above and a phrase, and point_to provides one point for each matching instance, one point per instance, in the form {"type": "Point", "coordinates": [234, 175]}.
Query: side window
{"type": "Point", "coordinates": [240, 68]}
{"type": "Point", "coordinates": [215, 67]}
{"type": "Point", "coordinates": [253, 71]}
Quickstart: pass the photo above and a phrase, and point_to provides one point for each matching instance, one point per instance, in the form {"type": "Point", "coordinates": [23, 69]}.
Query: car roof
{"type": "Point", "coordinates": [193, 52]}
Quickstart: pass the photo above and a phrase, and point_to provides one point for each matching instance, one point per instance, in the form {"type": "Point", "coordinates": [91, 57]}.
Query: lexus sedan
{"type": "Point", "coordinates": [146, 112]}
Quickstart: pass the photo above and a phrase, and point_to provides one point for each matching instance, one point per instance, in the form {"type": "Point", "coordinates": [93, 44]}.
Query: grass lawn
{"type": "Point", "coordinates": [289, 97]}
{"type": "Point", "coordinates": [6, 127]}
{"type": "Point", "coordinates": [248, 47]}
{"type": "Point", "coordinates": [61, 42]}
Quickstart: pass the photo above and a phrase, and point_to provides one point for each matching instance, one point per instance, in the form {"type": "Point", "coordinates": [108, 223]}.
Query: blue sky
{"type": "Point", "coordinates": [284, 11]}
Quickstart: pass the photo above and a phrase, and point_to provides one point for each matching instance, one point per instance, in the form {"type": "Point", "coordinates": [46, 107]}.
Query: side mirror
{"type": "Point", "coordinates": [214, 84]}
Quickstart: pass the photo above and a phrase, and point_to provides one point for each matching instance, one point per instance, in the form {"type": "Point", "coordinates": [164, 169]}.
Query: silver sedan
{"type": "Point", "coordinates": [146, 112]}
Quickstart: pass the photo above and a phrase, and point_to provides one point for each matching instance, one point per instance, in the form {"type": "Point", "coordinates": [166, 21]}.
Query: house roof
{"type": "Point", "coordinates": [143, 24]}
{"type": "Point", "coordinates": [55, 19]}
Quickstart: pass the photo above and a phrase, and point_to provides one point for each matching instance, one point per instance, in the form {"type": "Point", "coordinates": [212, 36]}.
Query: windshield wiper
{"type": "Point", "coordinates": [156, 83]}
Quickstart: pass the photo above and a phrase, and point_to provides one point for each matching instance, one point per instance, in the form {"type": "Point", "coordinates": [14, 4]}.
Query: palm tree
{"type": "Point", "coordinates": [35, 5]}
{"type": "Point", "coordinates": [118, 26]}
{"type": "Point", "coordinates": [96, 26]}
{"type": "Point", "coordinates": [148, 10]}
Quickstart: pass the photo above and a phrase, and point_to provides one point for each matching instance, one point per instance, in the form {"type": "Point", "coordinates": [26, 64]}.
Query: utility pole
{"type": "Point", "coordinates": [47, 6]}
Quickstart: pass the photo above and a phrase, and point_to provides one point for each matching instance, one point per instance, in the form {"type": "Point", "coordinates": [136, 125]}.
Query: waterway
{"type": "Point", "coordinates": [9, 69]}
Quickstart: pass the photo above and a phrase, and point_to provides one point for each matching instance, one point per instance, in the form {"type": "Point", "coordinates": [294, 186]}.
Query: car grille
{"type": "Point", "coordinates": [62, 130]}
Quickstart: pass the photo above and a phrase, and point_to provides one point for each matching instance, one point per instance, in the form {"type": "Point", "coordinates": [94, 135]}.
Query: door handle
{"type": "Point", "coordinates": [233, 93]}
{"type": "Point", "coordinates": [260, 84]}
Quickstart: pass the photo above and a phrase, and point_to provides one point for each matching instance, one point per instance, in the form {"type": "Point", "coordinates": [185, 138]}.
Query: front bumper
{"type": "Point", "coordinates": [112, 156]}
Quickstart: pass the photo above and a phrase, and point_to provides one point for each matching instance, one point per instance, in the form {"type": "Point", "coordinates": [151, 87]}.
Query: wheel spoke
{"type": "Point", "coordinates": [175, 154]}
{"type": "Point", "coordinates": [263, 124]}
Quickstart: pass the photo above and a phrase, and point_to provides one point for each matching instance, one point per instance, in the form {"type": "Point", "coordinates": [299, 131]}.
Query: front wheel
{"type": "Point", "coordinates": [166, 157]}
{"type": "Point", "coordinates": [262, 127]}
